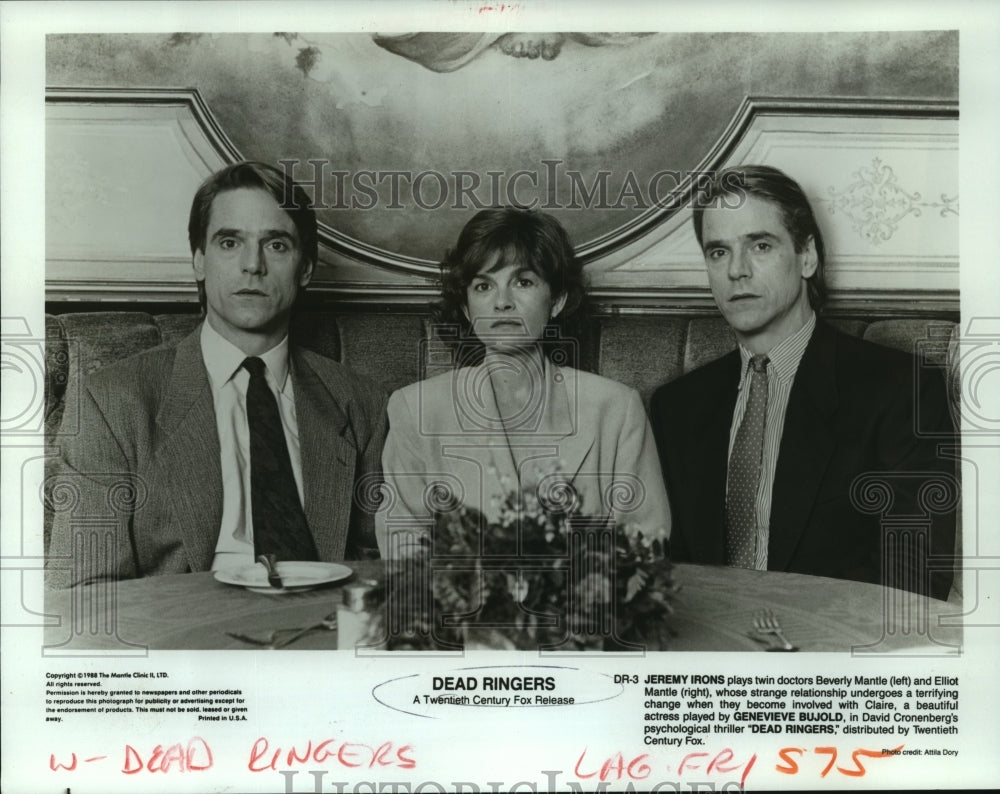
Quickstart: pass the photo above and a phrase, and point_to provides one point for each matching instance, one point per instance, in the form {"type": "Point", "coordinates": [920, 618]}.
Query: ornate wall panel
{"type": "Point", "coordinates": [882, 178]}
{"type": "Point", "coordinates": [602, 129]}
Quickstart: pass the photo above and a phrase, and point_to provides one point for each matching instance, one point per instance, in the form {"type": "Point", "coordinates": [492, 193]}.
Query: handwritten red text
{"type": "Point", "coordinates": [346, 754]}
{"type": "Point", "coordinates": [790, 760]}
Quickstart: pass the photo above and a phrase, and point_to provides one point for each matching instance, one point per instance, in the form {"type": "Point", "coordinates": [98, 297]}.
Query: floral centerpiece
{"type": "Point", "coordinates": [540, 576]}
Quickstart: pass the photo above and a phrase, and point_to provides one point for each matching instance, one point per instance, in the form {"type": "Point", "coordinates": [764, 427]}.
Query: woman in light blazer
{"type": "Point", "coordinates": [511, 412]}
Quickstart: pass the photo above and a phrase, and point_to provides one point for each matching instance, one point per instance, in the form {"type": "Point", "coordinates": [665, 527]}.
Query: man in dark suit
{"type": "Point", "coordinates": [777, 455]}
{"type": "Point", "coordinates": [200, 453]}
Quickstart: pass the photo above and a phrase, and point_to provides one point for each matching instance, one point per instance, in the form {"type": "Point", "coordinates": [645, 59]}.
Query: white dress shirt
{"type": "Point", "coordinates": [783, 363]}
{"type": "Point", "coordinates": [229, 382]}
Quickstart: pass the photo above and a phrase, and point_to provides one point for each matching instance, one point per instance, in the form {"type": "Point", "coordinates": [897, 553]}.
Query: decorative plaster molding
{"type": "Point", "coordinates": [875, 202]}
{"type": "Point", "coordinates": [734, 136]}
{"type": "Point", "coordinates": [188, 97]}
{"type": "Point", "coordinates": [215, 150]}
{"type": "Point", "coordinates": [649, 264]}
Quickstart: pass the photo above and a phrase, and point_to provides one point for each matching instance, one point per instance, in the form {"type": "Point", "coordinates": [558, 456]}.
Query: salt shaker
{"type": "Point", "coordinates": [352, 618]}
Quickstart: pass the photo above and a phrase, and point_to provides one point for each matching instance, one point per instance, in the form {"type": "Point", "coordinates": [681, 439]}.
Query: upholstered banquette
{"type": "Point", "coordinates": [396, 348]}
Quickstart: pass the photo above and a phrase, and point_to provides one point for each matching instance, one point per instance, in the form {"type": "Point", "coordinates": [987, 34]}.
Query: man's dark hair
{"type": "Point", "coordinates": [259, 176]}
{"type": "Point", "coordinates": [512, 235]}
{"type": "Point", "coordinates": [729, 188]}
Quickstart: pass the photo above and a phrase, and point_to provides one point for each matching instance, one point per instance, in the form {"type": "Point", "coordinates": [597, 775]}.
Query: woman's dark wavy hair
{"type": "Point", "coordinates": [531, 239]}
{"type": "Point", "coordinates": [731, 186]}
{"type": "Point", "coordinates": [259, 176]}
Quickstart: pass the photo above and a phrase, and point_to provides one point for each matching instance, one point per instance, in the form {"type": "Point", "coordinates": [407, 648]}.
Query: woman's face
{"type": "Point", "coordinates": [509, 305]}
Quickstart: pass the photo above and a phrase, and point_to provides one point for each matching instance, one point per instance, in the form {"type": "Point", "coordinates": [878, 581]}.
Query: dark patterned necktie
{"type": "Point", "coordinates": [744, 472]}
{"type": "Point", "coordinates": [279, 523]}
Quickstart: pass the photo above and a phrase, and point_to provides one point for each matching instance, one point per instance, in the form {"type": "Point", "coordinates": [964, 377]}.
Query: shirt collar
{"type": "Point", "coordinates": [223, 359]}
{"type": "Point", "coordinates": [783, 360]}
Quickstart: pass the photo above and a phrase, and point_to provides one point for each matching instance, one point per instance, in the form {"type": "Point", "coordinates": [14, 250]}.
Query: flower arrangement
{"type": "Point", "coordinates": [540, 576]}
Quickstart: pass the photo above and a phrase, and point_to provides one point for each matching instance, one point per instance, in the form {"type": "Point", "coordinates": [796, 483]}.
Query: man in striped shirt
{"type": "Point", "coordinates": [765, 450]}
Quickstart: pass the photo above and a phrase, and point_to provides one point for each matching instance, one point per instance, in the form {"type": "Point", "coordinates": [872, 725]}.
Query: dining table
{"type": "Point", "coordinates": [713, 609]}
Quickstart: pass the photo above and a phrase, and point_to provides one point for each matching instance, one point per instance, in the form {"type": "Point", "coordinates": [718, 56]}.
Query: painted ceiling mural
{"type": "Point", "coordinates": [413, 131]}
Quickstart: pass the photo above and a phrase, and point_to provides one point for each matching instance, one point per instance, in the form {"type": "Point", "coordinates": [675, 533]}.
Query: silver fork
{"type": "Point", "coordinates": [274, 639]}
{"type": "Point", "coordinates": [766, 623]}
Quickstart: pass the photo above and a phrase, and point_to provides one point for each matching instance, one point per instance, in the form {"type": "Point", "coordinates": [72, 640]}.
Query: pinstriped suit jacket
{"type": "Point", "coordinates": [148, 425]}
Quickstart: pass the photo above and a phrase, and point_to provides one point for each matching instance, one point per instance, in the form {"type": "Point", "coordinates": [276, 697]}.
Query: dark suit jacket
{"type": "Point", "coordinates": [851, 412]}
{"type": "Point", "coordinates": [147, 463]}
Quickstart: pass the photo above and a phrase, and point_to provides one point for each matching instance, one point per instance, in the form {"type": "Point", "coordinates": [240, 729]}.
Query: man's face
{"type": "Point", "coordinates": [757, 278]}
{"type": "Point", "coordinates": [252, 268]}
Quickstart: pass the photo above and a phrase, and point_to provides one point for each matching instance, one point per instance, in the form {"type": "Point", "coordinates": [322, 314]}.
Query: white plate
{"type": "Point", "coordinates": [295, 576]}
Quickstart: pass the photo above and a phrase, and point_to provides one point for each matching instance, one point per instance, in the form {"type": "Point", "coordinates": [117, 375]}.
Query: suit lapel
{"type": "Point", "coordinates": [709, 444]}
{"type": "Point", "coordinates": [188, 454]}
{"type": "Point", "coordinates": [806, 446]}
{"type": "Point", "coordinates": [329, 456]}
{"type": "Point", "coordinates": [561, 422]}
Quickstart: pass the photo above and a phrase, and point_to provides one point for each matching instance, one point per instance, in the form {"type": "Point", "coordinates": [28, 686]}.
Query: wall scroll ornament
{"type": "Point", "coordinates": [876, 203]}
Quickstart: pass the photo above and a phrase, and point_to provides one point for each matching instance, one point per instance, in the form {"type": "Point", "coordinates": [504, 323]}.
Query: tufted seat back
{"type": "Point", "coordinates": [395, 349]}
